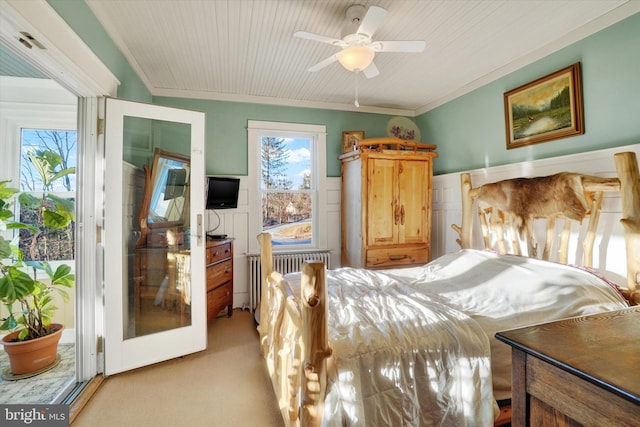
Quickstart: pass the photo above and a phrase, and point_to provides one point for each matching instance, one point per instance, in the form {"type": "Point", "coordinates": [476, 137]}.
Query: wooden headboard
{"type": "Point", "coordinates": [508, 209]}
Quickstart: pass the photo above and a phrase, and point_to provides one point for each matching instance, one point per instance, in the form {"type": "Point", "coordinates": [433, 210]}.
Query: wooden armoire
{"type": "Point", "coordinates": [386, 203]}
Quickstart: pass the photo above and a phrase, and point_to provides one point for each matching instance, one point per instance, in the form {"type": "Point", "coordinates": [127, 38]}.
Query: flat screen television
{"type": "Point", "coordinates": [222, 192]}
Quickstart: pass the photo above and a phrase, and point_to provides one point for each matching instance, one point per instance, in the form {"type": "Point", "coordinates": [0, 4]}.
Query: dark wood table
{"type": "Point", "coordinates": [579, 371]}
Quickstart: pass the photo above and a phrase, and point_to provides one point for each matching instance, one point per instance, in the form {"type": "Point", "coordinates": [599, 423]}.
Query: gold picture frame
{"type": "Point", "coordinates": [546, 109]}
{"type": "Point", "coordinates": [350, 139]}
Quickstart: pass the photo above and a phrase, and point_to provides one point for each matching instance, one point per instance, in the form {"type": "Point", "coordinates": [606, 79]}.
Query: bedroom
{"type": "Point", "coordinates": [602, 65]}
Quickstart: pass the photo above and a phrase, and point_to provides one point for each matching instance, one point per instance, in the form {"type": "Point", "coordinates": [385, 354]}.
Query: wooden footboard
{"type": "Point", "coordinates": [294, 340]}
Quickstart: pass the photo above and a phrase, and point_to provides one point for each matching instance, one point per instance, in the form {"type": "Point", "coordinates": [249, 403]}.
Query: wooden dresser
{"type": "Point", "coordinates": [581, 371]}
{"type": "Point", "coordinates": [219, 261]}
{"type": "Point", "coordinates": [153, 269]}
{"type": "Point", "coordinates": [386, 203]}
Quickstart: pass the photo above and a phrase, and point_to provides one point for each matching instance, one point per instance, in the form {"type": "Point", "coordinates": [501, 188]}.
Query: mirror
{"type": "Point", "coordinates": [165, 201]}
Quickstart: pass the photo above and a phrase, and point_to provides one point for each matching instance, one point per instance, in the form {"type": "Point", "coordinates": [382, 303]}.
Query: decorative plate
{"type": "Point", "coordinates": [403, 128]}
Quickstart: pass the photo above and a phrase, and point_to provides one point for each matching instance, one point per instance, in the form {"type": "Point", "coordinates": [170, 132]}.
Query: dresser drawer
{"type": "Point", "coordinates": [219, 273]}
{"type": "Point", "coordinates": [218, 299]}
{"type": "Point", "coordinates": [397, 256]}
{"type": "Point", "coordinates": [219, 258]}
{"type": "Point", "coordinates": [217, 253]}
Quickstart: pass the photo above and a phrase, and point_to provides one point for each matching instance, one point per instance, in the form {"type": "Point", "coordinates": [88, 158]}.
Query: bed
{"type": "Point", "coordinates": [415, 346]}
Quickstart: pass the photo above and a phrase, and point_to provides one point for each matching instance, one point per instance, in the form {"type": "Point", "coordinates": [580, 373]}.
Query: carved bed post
{"type": "Point", "coordinates": [465, 232]}
{"type": "Point", "coordinates": [266, 267]}
{"type": "Point", "coordinates": [629, 176]}
{"type": "Point", "coordinates": [315, 337]}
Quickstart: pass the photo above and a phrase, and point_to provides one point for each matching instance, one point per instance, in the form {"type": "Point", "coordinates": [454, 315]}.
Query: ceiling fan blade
{"type": "Point", "coordinates": [371, 71]}
{"type": "Point", "coordinates": [319, 38]}
{"type": "Point", "coordinates": [399, 46]}
{"type": "Point", "coordinates": [320, 65]}
{"type": "Point", "coordinates": [372, 21]}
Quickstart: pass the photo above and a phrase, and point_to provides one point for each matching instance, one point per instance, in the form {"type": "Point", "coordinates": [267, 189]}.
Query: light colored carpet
{"type": "Point", "coordinates": [225, 385]}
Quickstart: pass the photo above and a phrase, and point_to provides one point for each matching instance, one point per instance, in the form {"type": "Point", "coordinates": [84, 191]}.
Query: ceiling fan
{"type": "Point", "coordinates": [358, 47]}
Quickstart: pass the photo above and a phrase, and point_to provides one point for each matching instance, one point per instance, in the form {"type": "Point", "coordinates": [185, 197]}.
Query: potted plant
{"type": "Point", "coordinates": [27, 287]}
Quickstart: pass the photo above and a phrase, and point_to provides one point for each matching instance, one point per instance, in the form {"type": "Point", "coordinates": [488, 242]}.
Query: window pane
{"type": "Point", "coordinates": [51, 244]}
{"type": "Point", "coordinates": [45, 156]}
{"type": "Point", "coordinates": [60, 142]}
{"type": "Point", "coordinates": [286, 189]}
{"type": "Point", "coordinates": [287, 216]}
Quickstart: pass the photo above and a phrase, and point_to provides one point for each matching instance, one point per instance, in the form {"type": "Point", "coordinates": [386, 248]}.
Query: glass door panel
{"type": "Point", "coordinates": [159, 256]}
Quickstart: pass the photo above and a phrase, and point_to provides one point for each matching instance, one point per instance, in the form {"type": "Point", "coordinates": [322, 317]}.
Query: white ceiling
{"type": "Point", "coordinates": [244, 50]}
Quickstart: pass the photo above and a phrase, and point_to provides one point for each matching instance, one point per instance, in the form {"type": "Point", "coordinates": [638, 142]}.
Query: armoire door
{"type": "Point", "coordinates": [382, 227]}
{"type": "Point", "coordinates": [412, 199]}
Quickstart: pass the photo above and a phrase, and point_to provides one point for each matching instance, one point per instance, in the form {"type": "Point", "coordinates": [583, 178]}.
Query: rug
{"type": "Point", "coordinates": [43, 388]}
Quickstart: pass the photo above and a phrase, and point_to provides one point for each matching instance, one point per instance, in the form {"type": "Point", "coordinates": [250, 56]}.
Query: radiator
{"type": "Point", "coordinates": [283, 263]}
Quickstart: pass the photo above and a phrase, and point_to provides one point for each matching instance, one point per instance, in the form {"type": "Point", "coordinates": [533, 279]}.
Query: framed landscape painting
{"type": "Point", "coordinates": [546, 109]}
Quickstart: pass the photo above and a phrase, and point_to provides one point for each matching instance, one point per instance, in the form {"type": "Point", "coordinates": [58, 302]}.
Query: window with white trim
{"type": "Point", "coordinates": [290, 171]}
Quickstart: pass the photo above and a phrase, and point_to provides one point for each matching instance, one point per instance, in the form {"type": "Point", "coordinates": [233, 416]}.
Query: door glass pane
{"type": "Point", "coordinates": [157, 295]}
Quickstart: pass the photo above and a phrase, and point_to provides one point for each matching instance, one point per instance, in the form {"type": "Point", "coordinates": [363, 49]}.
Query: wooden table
{"type": "Point", "coordinates": [580, 371]}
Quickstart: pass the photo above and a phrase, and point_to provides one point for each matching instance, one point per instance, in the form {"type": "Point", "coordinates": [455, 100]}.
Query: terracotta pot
{"type": "Point", "coordinates": [32, 355]}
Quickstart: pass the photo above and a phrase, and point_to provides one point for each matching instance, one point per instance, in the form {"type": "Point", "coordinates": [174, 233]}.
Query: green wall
{"type": "Point", "coordinates": [470, 130]}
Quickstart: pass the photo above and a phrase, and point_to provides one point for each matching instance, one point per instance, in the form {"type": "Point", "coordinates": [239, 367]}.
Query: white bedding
{"type": "Point", "coordinates": [416, 346]}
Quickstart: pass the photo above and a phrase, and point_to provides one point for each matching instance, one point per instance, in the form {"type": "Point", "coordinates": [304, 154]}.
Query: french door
{"type": "Point", "coordinates": [155, 304]}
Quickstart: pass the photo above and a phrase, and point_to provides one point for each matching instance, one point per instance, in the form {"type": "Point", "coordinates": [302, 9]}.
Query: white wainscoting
{"type": "Point", "coordinates": [609, 250]}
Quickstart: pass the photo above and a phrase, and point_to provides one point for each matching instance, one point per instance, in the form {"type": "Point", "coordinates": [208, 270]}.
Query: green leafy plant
{"type": "Point", "coordinates": [28, 299]}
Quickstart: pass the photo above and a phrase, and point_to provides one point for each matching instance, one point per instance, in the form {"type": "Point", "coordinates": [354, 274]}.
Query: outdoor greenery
{"type": "Point", "coordinates": [50, 244]}
{"type": "Point", "coordinates": [61, 142]}
{"type": "Point", "coordinates": [27, 297]}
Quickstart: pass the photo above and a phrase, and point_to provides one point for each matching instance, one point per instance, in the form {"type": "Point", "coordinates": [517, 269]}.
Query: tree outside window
{"type": "Point", "coordinates": [47, 153]}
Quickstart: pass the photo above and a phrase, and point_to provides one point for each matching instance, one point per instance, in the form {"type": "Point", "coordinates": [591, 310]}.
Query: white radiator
{"type": "Point", "coordinates": [283, 263]}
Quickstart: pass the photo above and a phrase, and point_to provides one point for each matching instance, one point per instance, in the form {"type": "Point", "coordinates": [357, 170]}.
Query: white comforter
{"type": "Point", "coordinates": [416, 346]}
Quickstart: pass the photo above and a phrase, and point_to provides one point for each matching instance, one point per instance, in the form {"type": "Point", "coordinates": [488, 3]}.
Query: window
{"type": "Point", "coordinates": [290, 169]}
{"type": "Point", "coordinates": [46, 153]}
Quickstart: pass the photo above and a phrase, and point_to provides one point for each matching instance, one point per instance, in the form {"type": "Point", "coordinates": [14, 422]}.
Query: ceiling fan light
{"type": "Point", "coordinates": [356, 57]}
